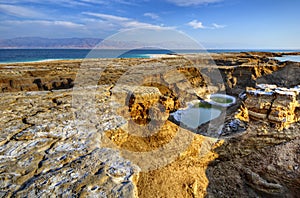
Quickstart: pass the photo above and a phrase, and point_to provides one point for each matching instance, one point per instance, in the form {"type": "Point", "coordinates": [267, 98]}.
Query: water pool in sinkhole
{"type": "Point", "coordinates": [200, 112]}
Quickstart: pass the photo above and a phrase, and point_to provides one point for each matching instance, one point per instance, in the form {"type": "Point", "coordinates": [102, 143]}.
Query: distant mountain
{"type": "Point", "coordinates": [87, 43]}
{"type": "Point", "coordinates": [39, 42]}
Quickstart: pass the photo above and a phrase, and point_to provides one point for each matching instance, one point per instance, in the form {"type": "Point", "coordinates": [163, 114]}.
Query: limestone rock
{"type": "Point", "coordinates": [273, 104]}
{"type": "Point", "coordinates": [56, 140]}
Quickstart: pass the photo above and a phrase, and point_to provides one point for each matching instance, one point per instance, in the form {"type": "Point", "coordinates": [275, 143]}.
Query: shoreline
{"type": "Point", "coordinates": [36, 61]}
{"type": "Point", "coordinates": [271, 55]}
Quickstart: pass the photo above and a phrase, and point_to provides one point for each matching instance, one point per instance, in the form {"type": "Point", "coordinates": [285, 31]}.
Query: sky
{"type": "Point", "coordinates": [221, 24]}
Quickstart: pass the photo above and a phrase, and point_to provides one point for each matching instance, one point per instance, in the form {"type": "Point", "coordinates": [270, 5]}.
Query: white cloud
{"type": "Point", "coordinates": [196, 24]}
{"type": "Point", "coordinates": [19, 11]}
{"type": "Point", "coordinates": [192, 2]}
{"type": "Point", "coordinates": [217, 26]}
{"type": "Point", "coordinates": [151, 15]}
{"type": "Point", "coordinates": [199, 25]}
{"type": "Point", "coordinates": [64, 24]}
{"type": "Point", "coordinates": [88, 25]}
{"type": "Point", "coordinates": [69, 3]}
{"type": "Point", "coordinates": [106, 16]}
{"type": "Point", "coordinates": [41, 28]}
{"type": "Point", "coordinates": [93, 1]}
{"type": "Point", "coordinates": [123, 22]}
{"type": "Point", "coordinates": [126, 2]}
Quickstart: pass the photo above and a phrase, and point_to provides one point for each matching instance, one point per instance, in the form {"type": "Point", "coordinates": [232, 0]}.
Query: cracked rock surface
{"type": "Point", "coordinates": [42, 153]}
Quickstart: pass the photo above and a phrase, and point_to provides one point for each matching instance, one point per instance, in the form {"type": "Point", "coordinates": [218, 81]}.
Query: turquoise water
{"type": "Point", "coordinates": [197, 115]}
{"type": "Point", "coordinates": [289, 58]}
{"type": "Point", "coordinates": [194, 117]}
{"type": "Point", "coordinates": [143, 53]}
{"type": "Point", "coordinates": [32, 55]}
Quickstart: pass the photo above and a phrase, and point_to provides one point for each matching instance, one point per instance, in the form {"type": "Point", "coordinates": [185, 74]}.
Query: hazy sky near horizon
{"type": "Point", "coordinates": [264, 24]}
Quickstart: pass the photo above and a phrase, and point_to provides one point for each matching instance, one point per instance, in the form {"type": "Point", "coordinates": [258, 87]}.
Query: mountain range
{"type": "Point", "coordinates": [39, 42]}
{"type": "Point", "coordinates": [89, 43]}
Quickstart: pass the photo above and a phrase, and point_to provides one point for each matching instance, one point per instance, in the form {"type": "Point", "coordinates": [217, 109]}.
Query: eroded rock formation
{"type": "Point", "coordinates": [53, 141]}
{"type": "Point", "coordinates": [276, 105]}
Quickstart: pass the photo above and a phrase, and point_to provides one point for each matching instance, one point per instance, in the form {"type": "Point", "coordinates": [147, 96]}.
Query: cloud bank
{"type": "Point", "coordinates": [195, 24]}
{"type": "Point", "coordinates": [192, 2]}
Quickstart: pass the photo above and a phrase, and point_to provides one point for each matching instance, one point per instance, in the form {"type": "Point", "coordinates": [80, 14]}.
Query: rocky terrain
{"type": "Point", "coordinates": [101, 128]}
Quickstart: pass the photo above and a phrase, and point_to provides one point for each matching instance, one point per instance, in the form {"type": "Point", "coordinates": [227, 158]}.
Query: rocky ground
{"type": "Point", "coordinates": [101, 128]}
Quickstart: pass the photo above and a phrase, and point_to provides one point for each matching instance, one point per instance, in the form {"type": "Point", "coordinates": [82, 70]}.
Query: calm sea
{"type": "Point", "coordinates": [33, 55]}
{"type": "Point", "coordinates": [289, 58]}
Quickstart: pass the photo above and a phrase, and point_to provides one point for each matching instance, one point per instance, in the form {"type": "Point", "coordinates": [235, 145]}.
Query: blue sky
{"type": "Point", "coordinates": [267, 24]}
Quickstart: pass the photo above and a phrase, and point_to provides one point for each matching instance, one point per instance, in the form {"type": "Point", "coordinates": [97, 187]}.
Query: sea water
{"type": "Point", "coordinates": [34, 55]}
{"type": "Point", "coordinates": [294, 58]}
